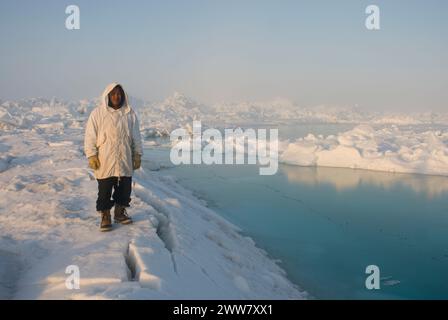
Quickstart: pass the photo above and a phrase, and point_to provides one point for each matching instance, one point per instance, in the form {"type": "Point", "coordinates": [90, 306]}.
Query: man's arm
{"type": "Point", "coordinates": [136, 138]}
{"type": "Point", "coordinates": [90, 137]}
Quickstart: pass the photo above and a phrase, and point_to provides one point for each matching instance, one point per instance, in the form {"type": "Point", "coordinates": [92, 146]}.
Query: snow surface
{"type": "Point", "coordinates": [391, 149]}
{"type": "Point", "coordinates": [177, 248]}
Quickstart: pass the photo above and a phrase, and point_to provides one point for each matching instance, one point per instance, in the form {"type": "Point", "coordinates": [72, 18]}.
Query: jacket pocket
{"type": "Point", "coordinates": [101, 140]}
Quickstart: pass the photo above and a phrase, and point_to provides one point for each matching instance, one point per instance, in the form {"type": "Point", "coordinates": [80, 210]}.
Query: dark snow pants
{"type": "Point", "coordinates": [121, 194]}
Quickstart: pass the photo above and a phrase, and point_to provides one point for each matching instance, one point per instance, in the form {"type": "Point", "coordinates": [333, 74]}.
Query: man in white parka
{"type": "Point", "coordinates": [113, 146]}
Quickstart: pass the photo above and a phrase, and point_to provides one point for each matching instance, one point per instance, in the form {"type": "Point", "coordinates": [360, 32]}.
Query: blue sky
{"type": "Point", "coordinates": [312, 52]}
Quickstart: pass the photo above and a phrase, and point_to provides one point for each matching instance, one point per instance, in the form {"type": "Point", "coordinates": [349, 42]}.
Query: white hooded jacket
{"type": "Point", "coordinates": [113, 135]}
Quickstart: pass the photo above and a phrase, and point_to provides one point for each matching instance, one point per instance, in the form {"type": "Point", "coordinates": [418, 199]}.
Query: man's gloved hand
{"type": "Point", "coordinates": [137, 161]}
{"type": "Point", "coordinates": [94, 162]}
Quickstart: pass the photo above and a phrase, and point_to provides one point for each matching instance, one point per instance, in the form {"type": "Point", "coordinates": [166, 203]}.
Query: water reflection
{"type": "Point", "coordinates": [345, 179]}
{"type": "Point", "coordinates": [327, 224]}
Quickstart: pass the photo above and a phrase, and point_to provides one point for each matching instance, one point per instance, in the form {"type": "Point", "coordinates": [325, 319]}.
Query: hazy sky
{"type": "Point", "coordinates": [313, 52]}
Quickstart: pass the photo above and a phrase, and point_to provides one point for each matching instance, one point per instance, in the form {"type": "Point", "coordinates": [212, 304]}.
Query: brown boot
{"type": "Point", "coordinates": [106, 223]}
{"type": "Point", "coordinates": [120, 215]}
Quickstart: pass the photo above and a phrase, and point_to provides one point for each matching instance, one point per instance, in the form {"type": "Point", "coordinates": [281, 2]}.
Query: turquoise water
{"type": "Point", "coordinates": [326, 225]}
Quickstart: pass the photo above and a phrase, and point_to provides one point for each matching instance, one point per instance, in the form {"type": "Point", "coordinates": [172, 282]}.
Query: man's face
{"type": "Point", "coordinates": [115, 97]}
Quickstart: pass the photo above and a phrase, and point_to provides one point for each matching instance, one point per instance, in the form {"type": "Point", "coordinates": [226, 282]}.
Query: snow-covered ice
{"type": "Point", "coordinates": [177, 248]}
{"type": "Point", "coordinates": [391, 149]}
{"type": "Point", "coordinates": [389, 141]}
